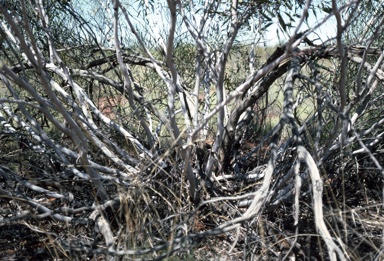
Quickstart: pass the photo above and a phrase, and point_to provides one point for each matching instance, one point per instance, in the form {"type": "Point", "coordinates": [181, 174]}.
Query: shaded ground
{"type": "Point", "coordinates": [149, 212]}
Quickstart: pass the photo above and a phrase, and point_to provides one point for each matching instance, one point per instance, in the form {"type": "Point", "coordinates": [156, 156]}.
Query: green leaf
{"type": "Point", "coordinates": [266, 16]}
{"type": "Point", "coordinates": [281, 22]}
{"type": "Point", "coordinates": [327, 9]}
{"type": "Point", "coordinates": [314, 13]}
{"type": "Point", "coordinates": [289, 15]}
{"type": "Point", "coordinates": [265, 26]}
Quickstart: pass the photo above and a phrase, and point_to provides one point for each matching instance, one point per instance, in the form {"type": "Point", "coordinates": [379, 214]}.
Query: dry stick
{"type": "Point", "coordinates": [91, 130]}
{"type": "Point", "coordinates": [93, 108]}
{"type": "Point", "coordinates": [375, 71]}
{"type": "Point", "coordinates": [373, 158]}
{"type": "Point", "coordinates": [102, 225]}
{"type": "Point", "coordinates": [296, 205]}
{"type": "Point", "coordinates": [254, 77]}
{"type": "Point", "coordinates": [46, 212]}
{"type": "Point", "coordinates": [198, 35]}
{"type": "Point", "coordinates": [10, 175]}
{"type": "Point", "coordinates": [53, 68]}
{"type": "Point", "coordinates": [317, 188]}
{"type": "Point", "coordinates": [176, 82]}
{"type": "Point", "coordinates": [19, 40]}
{"type": "Point", "coordinates": [41, 137]}
{"type": "Point", "coordinates": [364, 94]}
{"type": "Point", "coordinates": [76, 135]}
{"type": "Point", "coordinates": [156, 65]}
{"type": "Point", "coordinates": [364, 147]}
{"type": "Point", "coordinates": [370, 42]}
{"type": "Point", "coordinates": [342, 93]}
{"type": "Point", "coordinates": [262, 192]}
{"type": "Point", "coordinates": [119, 87]}
{"type": "Point", "coordinates": [303, 155]}
{"type": "Point", "coordinates": [199, 61]}
{"type": "Point", "coordinates": [220, 91]}
{"type": "Point", "coordinates": [172, 85]}
{"type": "Point", "coordinates": [127, 81]}
{"type": "Point", "coordinates": [105, 150]}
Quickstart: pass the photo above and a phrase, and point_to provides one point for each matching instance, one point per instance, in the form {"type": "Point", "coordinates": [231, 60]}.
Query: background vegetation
{"type": "Point", "coordinates": [174, 130]}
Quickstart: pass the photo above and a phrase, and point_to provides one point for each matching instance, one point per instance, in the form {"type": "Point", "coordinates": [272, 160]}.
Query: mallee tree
{"type": "Point", "coordinates": [151, 129]}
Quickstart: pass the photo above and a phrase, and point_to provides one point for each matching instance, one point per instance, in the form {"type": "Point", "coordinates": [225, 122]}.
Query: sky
{"type": "Point", "coordinates": [271, 38]}
{"type": "Point", "coordinates": [326, 31]}
{"type": "Point", "coordinates": [323, 33]}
